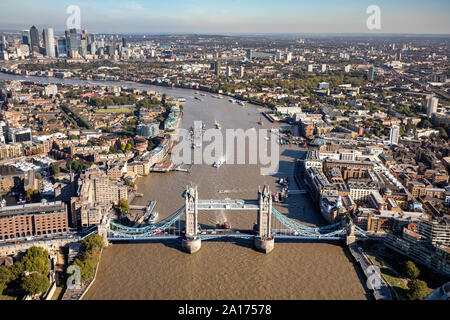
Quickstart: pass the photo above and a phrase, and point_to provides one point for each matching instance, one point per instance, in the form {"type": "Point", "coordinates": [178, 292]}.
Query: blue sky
{"type": "Point", "coordinates": [230, 16]}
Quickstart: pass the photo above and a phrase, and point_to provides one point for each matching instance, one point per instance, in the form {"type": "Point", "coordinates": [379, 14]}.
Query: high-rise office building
{"type": "Point", "coordinates": [278, 55]}
{"type": "Point", "coordinates": [229, 73]}
{"type": "Point", "coordinates": [432, 105]}
{"type": "Point", "coordinates": [3, 44]}
{"type": "Point", "coordinates": [49, 42]}
{"type": "Point", "coordinates": [249, 54]}
{"type": "Point", "coordinates": [218, 67]}
{"type": "Point", "coordinates": [124, 42]}
{"type": "Point", "coordinates": [61, 47]}
{"type": "Point", "coordinates": [26, 39]}
{"type": "Point", "coordinates": [324, 68]}
{"type": "Point", "coordinates": [84, 43]}
{"type": "Point", "coordinates": [72, 42]}
{"type": "Point", "coordinates": [372, 74]}
{"type": "Point", "coordinates": [34, 36]}
{"type": "Point", "coordinates": [289, 57]}
{"type": "Point", "coordinates": [241, 71]}
{"type": "Point", "coordinates": [93, 45]}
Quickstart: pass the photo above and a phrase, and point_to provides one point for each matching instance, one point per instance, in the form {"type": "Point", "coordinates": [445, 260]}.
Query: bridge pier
{"type": "Point", "coordinates": [264, 245]}
{"type": "Point", "coordinates": [191, 245]}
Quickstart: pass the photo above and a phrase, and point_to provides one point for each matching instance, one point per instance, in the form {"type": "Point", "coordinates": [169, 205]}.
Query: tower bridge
{"type": "Point", "coordinates": [271, 225]}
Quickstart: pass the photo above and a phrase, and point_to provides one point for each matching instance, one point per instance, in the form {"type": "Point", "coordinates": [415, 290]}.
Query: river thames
{"type": "Point", "coordinates": [223, 270]}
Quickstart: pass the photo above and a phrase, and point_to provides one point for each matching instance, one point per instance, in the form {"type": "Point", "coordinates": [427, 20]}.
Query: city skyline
{"type": "Point", "coordinates": [231, 17]}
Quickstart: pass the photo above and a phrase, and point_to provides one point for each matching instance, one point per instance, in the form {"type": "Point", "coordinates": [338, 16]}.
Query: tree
{"type": "Point", "coordinates": [6, 276]}
{"type": "Point", "coordinates": [35, 283]}
{"type": "Point", "coordinates": [94, 241]}
{"type": "Point", "coordinates": [124, 206]}
{"type": "Point", "coordinates": [37, 264]}
{"type": "Point", "coordinates": [87, 269]}
{"type": "Point", "coordinates": [33, 195]}
{"type": "Point", "coordinates": [411, 271]}
{"type": "Point", "coordinates": [38, 176]}
{"type": "Point", "coordinates": [54, 169]}
{"type": "Point", "coordinates": [36, 260]}
{"type": "Point", "coordinates": [418, 290]}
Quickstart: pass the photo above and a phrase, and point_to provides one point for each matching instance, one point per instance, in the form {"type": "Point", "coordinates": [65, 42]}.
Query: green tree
{"type": "Point", "coordinates": [35, 283]}
{"type": "Point", "coordinates": [38, 176]}
{"type": "Point", "coordinates": [411, 270]}
{"type": "Point", "coordinates": [54, 169]}
{"type": "Point", "coordinates": [87, 269]}
{"type": "Point", "coordinates": [6, 276]}
{"type": "Point", "coordinates": [37, 264]}
{"type": "Point", "coordinates": [94, 241]}
{"type": "Point", "coordinates": [36, 260]}
{"type": "Point", "coordinates": [124, 206]}
{"type": "Point", "coordinates": [418, 290]}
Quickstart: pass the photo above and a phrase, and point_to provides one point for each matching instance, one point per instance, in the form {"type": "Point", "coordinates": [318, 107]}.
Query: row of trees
{"type": "Point", "coordinates": [90, 254]}
{"type": "Point", "coordinates": [418, 289]}
{"type": "Point", "coordinates": [129, 99]}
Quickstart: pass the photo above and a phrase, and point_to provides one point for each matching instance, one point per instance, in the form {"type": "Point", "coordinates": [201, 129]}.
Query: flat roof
{"type": "Point", "coordinates": [32, 208]}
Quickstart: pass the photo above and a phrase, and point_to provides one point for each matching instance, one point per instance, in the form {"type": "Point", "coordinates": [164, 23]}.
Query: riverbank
{"type": "Point", "coordinates": [91, 82]}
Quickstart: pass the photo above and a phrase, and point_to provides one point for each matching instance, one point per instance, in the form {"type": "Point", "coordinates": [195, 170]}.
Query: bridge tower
{"type": "Point", "coordinates": [191, 242]}
{"type": "Point", "coordinates": [103, 229]}
{"type": "Point", "coordinates": [264, 240]}
{"type": "Point", "coordinates": [351, 237]}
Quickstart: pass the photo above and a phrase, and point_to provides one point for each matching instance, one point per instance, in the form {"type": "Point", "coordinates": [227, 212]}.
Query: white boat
{"type": "Point", "coordinates": [153, 217]}
{"type": "Point", "coordinates": [242, 104]}
{"type": "Point", "coordinates": [218, 126]}
{"type": "Point", "coordinates": [218, 164]}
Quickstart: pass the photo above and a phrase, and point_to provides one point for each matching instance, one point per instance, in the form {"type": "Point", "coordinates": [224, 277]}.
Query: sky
{"type": "Point", "coordinates": [230, 16]}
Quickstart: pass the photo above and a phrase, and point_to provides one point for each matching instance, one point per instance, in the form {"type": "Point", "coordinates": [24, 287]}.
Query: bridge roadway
{"type": "Point", "coordinates": [213, 205]}
{"type": "Point", "coordinates": [209, 234]}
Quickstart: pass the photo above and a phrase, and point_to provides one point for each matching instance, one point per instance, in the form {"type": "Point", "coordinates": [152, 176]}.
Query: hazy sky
{"type": "Point", "coordinates": [230, 16]}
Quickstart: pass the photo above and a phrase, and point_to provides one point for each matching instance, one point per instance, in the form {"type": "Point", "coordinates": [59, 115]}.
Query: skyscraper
{"type": "Point", "coordinates": [93, 45]}
{"type": "Point", "coordinates": [289, 57]}
{"type": "Point", "coordinates": [432, 106]}
{"type": "Point", "coordinates": [62, 47]}
{"type": "Point", "coordinates": [372, 74]}
{"type": "Point", "coordinates": [34, 36]}
{"type": "Point", "coordinates": [229, 73]}
{"type": "Point", "coordinates": [395, 133]}
{"type": "Point", "coordinates": [72, 42]}
{"type": "Point", "coordinates": [84, 43]}
{"type": "Point", "coordinates": [49, 42]}
{"type": "Point", "coordinates": [124, 42]}
{"type": "Point", "coordinates": [249, 54]}
{"type": "Point", "coordinates": [26, 37]}
{"type": "Point", "coordinates": [3, 44]}
{"type": "Point", "coordinates": [241, 71]}
{"type": "Point", "coordinates": [218, 67]}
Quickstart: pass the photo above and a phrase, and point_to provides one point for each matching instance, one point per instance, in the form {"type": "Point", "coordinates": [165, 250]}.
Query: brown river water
{"type": "Point", "coordinates": [223, 270]}
{"type": "Point", "coordinates": [232, 269]}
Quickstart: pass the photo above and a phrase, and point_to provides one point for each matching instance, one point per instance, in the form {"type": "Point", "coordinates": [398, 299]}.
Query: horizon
{"type": "Point", "coordinates": [233, 17]}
